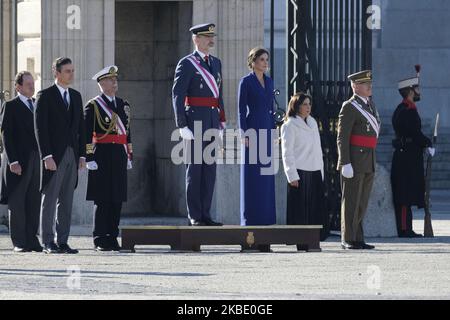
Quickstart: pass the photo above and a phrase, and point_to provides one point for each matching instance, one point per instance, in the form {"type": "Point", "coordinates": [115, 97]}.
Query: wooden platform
{"type": "Point", "coordinates": [184, 238]}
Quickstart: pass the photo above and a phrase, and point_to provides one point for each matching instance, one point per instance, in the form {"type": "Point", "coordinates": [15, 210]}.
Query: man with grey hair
{"type": "Point", "coordinates": [109, 156]}
{"type": "Point", "coordinates": [358, 130]}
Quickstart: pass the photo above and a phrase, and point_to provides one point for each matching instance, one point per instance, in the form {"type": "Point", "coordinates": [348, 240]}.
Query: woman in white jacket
{"type": "Point", "coordinates": [303, 165]}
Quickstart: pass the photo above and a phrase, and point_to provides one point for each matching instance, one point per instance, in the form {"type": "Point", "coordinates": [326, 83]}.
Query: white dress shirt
{"type": "Point", "coordinates": [62, 90]}
{"type": "Point", "coordinates": [25, 100]}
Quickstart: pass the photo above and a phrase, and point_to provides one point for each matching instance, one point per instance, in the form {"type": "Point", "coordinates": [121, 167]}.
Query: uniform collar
{"type": "Point", "coordinates": [409, 104]}
{"type": "Point", "coordinates": [24, 99]}
{"type": "Point", "coordinates": [111, 99]}
{"type": "Point", "coordinates": [61, 89]}
{"type": "Point", "coordinates": [365, 100]}
{"type": "Point", "coordinates": [201, 54]}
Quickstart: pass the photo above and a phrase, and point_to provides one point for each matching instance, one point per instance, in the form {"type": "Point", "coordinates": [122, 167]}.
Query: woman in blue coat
{"type": "Point", "coordinates": [256, 112]}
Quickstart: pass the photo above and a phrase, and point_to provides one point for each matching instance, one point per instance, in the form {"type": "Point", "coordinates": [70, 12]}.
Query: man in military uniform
{"type": "Point", "coordinates": [407, 173]}
{"type": "Point", "coordinates": [197, 99]}
{"type": "Point", "coordinates": [358, 130]}
{"type": "Point", "coordinates": [109, 155]}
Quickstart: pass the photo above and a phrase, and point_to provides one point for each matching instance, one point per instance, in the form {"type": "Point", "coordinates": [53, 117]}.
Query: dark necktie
{"type": "Point", "coordinates": [207, 62]}
{"type": "Point", "coordinates": [66, 102]}
{"type": "Point", "coordinates": [30, 105]}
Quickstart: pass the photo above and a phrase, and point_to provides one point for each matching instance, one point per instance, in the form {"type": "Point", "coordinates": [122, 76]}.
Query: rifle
{"type": "Point", "coordinates": [428, 228]}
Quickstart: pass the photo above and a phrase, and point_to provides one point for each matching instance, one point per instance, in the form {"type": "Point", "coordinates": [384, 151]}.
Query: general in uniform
{"type": "Point", "coordinates": [197, 98]}
{"type": "Point", "coordinates": [407, 172]}
{"type": "Point", "coordinates": [109, 155]}
{"type": "Point", "coordinates": [358, 130]}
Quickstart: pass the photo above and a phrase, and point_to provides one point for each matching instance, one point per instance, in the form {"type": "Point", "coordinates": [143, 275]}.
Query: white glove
{"type": "Point", "coordinates": [431, 151]}
{"type": "Point", "coordinates": [186, 133]}
{"type": "Point", "coordinates": [92, 165]}
{"type": "Point", "coordinates": [347, 171]}
{"type": "Point", "coordinates": [129, 164]}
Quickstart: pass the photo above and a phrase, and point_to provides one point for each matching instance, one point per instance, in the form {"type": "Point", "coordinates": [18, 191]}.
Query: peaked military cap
{"type": "Point", "coordinates": [107, 72]}
{"type": "Point", "coordinates": [206, 29]}
{"type": "Point", "coordinates": [360, 77]}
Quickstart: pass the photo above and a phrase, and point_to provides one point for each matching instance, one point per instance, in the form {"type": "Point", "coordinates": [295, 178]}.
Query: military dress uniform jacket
{"type": "Point", "coordinates": [109, 182]}
{"type": "Point", "coordinates": [407, 173]}
{"type": "Point", "coordinates": [355, 134]}
{"type": "Point", "coordinates": [191, 96]}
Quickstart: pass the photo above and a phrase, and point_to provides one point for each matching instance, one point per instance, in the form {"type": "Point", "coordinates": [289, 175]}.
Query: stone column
{"type": "Point", "coordinates": [8, 47]}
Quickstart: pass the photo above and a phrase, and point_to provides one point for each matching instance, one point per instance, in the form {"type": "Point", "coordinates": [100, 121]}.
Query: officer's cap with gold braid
{"type": "Point", "coordinates": [205, 29]}
{"type": "Point", "coordinates": [361, 77]}
{"type": "Point", "coordinates": [108, 72]}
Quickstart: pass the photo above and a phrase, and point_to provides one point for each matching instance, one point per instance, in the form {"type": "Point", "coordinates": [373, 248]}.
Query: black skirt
{"type": "Point", "coordinates": [306, 204]}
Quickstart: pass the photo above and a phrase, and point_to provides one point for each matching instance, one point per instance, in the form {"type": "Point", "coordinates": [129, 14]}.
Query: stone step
{"type": "Point", "coordinates": [387, 138]}
{"type": "Point", "coordinates": [441, 148]}
{"type": "Point", "coordinates": [440, 185]}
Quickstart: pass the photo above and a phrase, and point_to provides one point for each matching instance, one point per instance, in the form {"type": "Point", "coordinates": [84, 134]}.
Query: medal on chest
{"type": "Point", "coordinates": [219, 79]}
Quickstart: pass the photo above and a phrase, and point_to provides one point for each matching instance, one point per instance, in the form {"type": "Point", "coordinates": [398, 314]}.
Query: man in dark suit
{"type": "Point", "coordinates": [60, 133]}
{"type": "Point", "coordinates": [197, 99]}
{"type": "Point", "coordinates": [20, 166]}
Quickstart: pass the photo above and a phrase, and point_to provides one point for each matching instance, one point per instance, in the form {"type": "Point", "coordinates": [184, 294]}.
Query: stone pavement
{"type": "Point", "coordinates": [398, 268]}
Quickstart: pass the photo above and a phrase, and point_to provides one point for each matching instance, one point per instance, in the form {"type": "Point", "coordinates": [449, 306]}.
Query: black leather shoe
{"type": "Point", "coordinates": [115, 245]}
{"type": "Point", "coordinates": [36, 248]}
{"type": "Point", "coordinates": [409, 234]}
{"type": "Point", "coordinates": [209, 222]}
{"type": "Point", "coordinates": [264, 248]}
{"type": "Point", "coordinates": [350, 246]}
{"type": "Point", "coordinates": [196, 223]}
{"type": "Point", "coordinates": [64, 248]}
{"type": "Point", "coordinates": [366, 246]}
{"type": "Point", "coordinates": [20, 250]}
{"type": "Point", "coordinates": [415, 235]}
{"type": "Point", "coordinates": [51, 248]}
{"type": "Point", "coordinates": [99, 248]}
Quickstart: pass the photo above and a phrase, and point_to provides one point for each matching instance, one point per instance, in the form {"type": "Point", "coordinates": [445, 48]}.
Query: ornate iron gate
{"type": "Point", "coordinates": [327, 40]}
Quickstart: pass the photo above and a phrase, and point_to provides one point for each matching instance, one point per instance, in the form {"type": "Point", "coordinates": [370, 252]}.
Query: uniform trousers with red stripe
{"type": "Point", "coordinates": [404, 218]}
